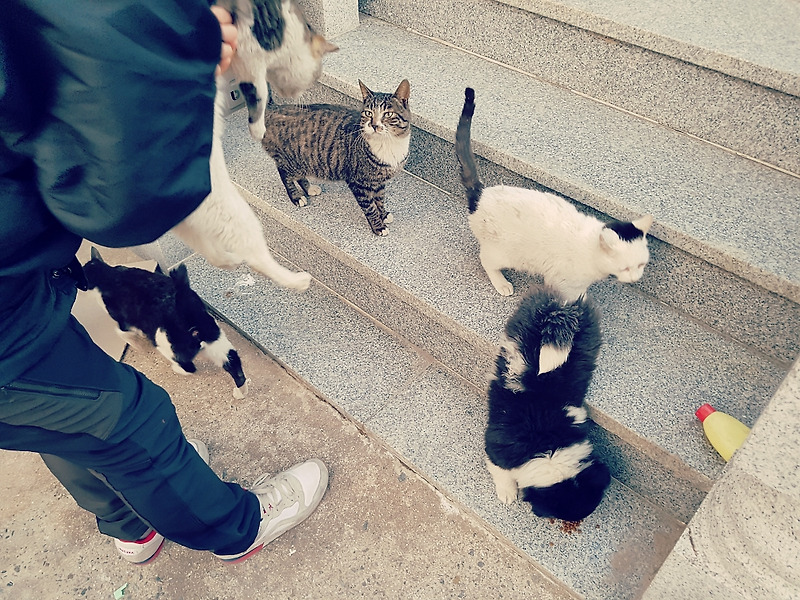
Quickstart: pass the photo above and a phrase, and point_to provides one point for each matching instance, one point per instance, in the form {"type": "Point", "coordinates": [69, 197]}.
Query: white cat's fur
{"type": "Point", "coordinates": [543, 234]}
{"type": "Point", "coordinates": [224, 228]}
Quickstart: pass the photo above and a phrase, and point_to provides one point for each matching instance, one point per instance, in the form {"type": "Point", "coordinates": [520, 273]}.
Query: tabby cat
{"type": "Point", "coordinates": [276, 42]}
{"type": "Point", "coordinates": [365, 148]}
{"type": "Point", "coordinates": [543, 234]}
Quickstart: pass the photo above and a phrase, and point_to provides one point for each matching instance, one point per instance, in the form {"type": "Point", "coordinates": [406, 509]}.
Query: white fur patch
{"type": "Point", "coordinates": [579, 414]}
{"type": "Point", "coordinates": [515, 364]}
{"type": "Point", "coordinates": [389, 149]}
{"type": "Point", "coordinates": [551, 357]}
{"type": "Point", "coordinates": [165, 348]}
{"type": "Point", "coordinates": [217, 351]}
{"type": "Point", "coordinates": [544, 471]}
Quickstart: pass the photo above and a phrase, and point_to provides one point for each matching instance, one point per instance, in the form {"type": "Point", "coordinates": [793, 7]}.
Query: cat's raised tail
{"type": "Point", "coordinates": [469, 171]}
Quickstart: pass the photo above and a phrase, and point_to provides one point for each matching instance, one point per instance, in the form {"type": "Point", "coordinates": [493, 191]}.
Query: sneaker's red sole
{"type": "Point", "coordinates": [152, 558]}
{"type": "Point", "coordinates": [252, 552]}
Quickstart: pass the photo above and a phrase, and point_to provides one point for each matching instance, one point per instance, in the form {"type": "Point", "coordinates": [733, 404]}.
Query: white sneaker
{"type": "Point", "coordinates": [287, 499]}
{"type": "Point", "coordinates": [147, 548]}
{"type": "Point", "coordinates": [141, 551]}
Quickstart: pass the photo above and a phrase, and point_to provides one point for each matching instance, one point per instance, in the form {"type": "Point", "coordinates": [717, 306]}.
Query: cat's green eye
{"type": "Point", "coordinates": [367, 113]}
{"type": "Point", "coordinates": [388, 114]}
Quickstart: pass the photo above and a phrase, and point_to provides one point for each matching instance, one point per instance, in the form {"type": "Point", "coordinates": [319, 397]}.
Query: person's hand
{"type": "Point", "coordinates": [228, 30]}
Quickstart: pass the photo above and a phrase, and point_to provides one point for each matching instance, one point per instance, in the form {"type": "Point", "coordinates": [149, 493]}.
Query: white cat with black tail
{"type": "Point", "coordinates": [275, 45]}
{"type": "Point", "coordinates": [536, 436]}
{"type": "Point", "coordinates": [166, 311]}
{"type": "Point", "coordinates": [544, 234]}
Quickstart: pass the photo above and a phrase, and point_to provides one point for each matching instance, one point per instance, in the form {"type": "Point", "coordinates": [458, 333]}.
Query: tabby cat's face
{"type": "Point", "coordinates": [386, 114]}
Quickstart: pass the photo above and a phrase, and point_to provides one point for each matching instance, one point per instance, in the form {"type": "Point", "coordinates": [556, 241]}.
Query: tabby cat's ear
{"type": "Point", "coordinates": [365, 91]}
{"type": "Point", "coordinates": [320, 46]}
{"type": "Point", "coordinates": [403, 92]}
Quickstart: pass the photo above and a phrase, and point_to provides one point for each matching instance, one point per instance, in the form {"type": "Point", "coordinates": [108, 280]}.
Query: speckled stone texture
{"type": "Point", "coordinates": [656, 366]}
{"type": "Point", "coordinates": [434, 420]}
{"type": "Point", "coordinates": [744, 541]}
{"type": "Point", "coordinates": [331, 17]}
{"type": "Point", "coordinates": [727, 72]}
{"type": "Point", "coordinates": [732, 212]}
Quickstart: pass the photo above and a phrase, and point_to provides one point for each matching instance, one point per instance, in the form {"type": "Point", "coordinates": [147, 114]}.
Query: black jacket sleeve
{"type": "Point", "coordinates": [114, 108]}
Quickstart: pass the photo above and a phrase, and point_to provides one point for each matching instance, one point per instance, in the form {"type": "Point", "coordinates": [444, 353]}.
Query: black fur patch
{"type": "Point", "coordinates": [268, 24]}
{"type": "Point", "coordinates": [466, 159]}
{"type": "Point", "coordinates": [149, 302]}
{"type": "Point", "coordinates": [528, 416]}
{"type": "Point", "coordinates": [626, 230]}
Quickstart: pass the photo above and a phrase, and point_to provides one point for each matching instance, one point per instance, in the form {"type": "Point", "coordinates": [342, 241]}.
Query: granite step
{"type": "Point", "coordinates": [433, 419]}
{"type": "Point", "coordinates": [727, 72]}
{"type": "Point", "coordinates": [425, 283]}
{"type": "Point", "coordinates": [724, 243]}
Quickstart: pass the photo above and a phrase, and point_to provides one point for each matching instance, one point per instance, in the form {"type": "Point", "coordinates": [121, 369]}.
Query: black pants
{"type": "Point", "coordinates": [112, 438]}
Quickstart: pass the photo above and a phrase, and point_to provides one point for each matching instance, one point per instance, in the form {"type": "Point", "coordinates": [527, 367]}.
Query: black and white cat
{"type": "Point", "coordinates": [536, 437]}
{"type": "Point", "coordinates": [364, 148]}
{"type": "Point", "coordinates": [167, 312]}
{"type": "Point", "coordinates": [544, 234]}
{"type": "Point", "coordinates": [275, 45]}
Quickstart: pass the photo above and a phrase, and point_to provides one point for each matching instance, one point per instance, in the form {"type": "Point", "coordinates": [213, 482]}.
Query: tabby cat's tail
{"type": "Point", "coordinates": [469, 171]}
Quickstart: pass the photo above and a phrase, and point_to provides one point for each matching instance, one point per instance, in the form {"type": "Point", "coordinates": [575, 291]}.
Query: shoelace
{"type": "Point", "coordinates": [274, 495]}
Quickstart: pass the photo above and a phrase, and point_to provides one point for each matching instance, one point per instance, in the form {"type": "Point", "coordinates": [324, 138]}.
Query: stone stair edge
{"type": "Point", "coordinates": [605, 202]}
{"type": "Point", "coordinates": [579, 14]}
{"type": "Point", "coordinates": [638, 443]}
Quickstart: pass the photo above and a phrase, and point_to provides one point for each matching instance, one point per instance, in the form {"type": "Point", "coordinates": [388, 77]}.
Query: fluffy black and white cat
{"type": "Point", "coordinates": [536, 437]}
{"type": "Point", "coordinates": [544, 234]}
{"type": "Point", "coordinates": [275, 45]}
{"type": "Point", "coordinates": [364, 148]}
{"type": "Point", "coordinates": [165, 310]}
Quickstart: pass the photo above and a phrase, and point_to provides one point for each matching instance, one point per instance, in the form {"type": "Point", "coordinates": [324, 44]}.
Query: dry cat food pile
{"type": "Point", "coordinates": [569, 526]}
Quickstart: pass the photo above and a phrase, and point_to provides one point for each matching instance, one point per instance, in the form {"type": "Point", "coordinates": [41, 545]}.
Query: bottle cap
{"type": "Point", "coordinates": [702, 412]}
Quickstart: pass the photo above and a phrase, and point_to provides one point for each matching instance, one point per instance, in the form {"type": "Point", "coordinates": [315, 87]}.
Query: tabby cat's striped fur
{"type": "Point", "coordinates": [336, 143]}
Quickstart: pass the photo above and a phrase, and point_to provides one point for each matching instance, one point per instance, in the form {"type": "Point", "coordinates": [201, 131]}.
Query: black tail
{"type": "Point", "coordinates": [469, 171]}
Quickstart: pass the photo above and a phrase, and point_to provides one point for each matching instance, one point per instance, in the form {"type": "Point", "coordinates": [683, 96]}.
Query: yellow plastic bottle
{"type": "Point", "coordinates": [724, 432]}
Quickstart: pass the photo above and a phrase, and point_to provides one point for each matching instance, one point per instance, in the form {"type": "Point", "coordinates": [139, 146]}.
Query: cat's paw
{"type": "Point", "coordinates": [382, 232]}
{"type": "Point", "coordinates": [240, 392]}
{"type": "Point", "coordinates": [507, 494]}
{"type": "Point", "coordinates": [179, 369]}
{"type": "Point", "coordinates": [303, 201]}
{"type": "Point", "coordinates": [505, 289]}
{"type": "Point", "coordinates": [300, 282]}
{"type": "Point", "coordinates": [388, 218]}
{"type": "Point", "coordinates": [314, 190]}
{"type": "Point", "coordinates": [257, 130]}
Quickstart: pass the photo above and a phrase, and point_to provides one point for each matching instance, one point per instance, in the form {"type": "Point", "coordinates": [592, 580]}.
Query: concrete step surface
{"type": "Point", "coordinates": [434, 420]}
{"type": "Point", "coordinates": [728, 72]}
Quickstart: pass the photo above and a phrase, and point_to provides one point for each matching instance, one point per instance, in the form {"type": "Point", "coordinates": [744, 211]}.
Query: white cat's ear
{"type": "Point", "coordinates": [365, 91]}
{"type": "Point", "coordinates": [608, 238]}
{"type": "Point", "coordinates": [320, 46]}
{"type": "Point", "coordinates": [644, 223]}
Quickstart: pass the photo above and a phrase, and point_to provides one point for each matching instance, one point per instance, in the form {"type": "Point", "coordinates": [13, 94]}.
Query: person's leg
{"type": "Point", "coordinates": [100, 415]}
{"type": "Point", "coordinates": [114, 517]}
